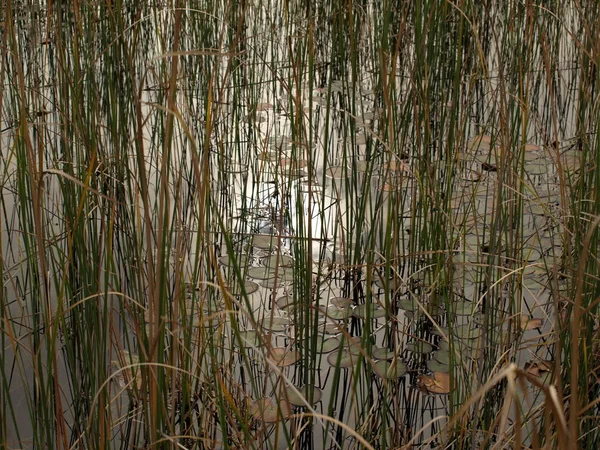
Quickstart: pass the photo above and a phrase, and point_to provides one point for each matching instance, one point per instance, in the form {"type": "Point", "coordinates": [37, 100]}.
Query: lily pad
{"type": "Point", "coordinates": [276, 324]}
{"type": "Point", "coordinates": [539, 368]}
{"type": "Point", "coordinates": [442, 356]}
{"type": "Point", "coordinates": [531, 254]}
{"type": "Point", "coordinates": [336, 313]}
{"type": "Point", "coordinates": [390, 369]}
{"type": "Point", "coordinates": [265, 241]}
{"type": "Point", "coordinates": [277, 141]}
{"type": "Point", "coordinates": [278, 260]}
{"type": "Point", "coordinates": [408, 304]}
{"type": "Point", "coordinates": [464, 308]}
{"type": "Point", "coordinates": [480, 142]}
{"type": "Point", "coordinates": [130, 376]}
{"type": "Point", "coordinates": [250, 338]}
{"type": "Point", "coordinates": [303, 397]}
{"type": "Point", "coordinates": [268, 411]}
{"type": "Point", "coordinates": [433, 365]}
{"type": "Point", "coordinates": [273, 283]}
{"type": "Point", "coordinates": [369, 310]}
{"type": "Point", "coordinates": [335, 172]}
{"type": "Point", "coordinates": [439, 383]}
{"type": "Point", "coordinates": [323, 345]}
{"type": "Point", "coordinates": [354, 345]}
{"type": "Point", "coordinates": [531, 323]}
{"type": "Point", "coordinates": [535, 168]}
{"type": "Point", "coordinates": [283, 356]}
{"type": "Point", "coordinates": [249, 286]}
{"type": "Point", "coordinates": [345, 356]}
{"type": "Point", "coordinates": [341, 302]}
{"type": "Point", "coordinates": [285, 302]}
{"type": "Point", "coordinates": [467, 331]}
{"type": "Point", "coordinates": [437, 331]}
{"type": "Point", "coordinates": [331, 328]}
{"type": "Point", "coordinates": [268, 156]}
{"type": "Point", "coordinates": [241, 260]}
{"type": "Point", "coordinates": [419, 347]}
{"type": "Point", "coordinates": [383, 353]}
{"type": "Point", "coordinates": [444, 345]}
{"type": "Point", "coordinates": [260, 273]}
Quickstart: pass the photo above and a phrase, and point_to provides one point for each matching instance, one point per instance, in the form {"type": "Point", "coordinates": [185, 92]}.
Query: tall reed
{"type": "Point", "coordinates": [299, 224]}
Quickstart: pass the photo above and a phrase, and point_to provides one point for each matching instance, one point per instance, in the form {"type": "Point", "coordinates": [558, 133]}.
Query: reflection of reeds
{"type": "Point", "coordinates": [379, 200]}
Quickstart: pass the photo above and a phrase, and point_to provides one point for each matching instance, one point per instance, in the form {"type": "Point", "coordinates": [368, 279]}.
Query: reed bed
{"type": "Point", "coordinates": [309, 225]}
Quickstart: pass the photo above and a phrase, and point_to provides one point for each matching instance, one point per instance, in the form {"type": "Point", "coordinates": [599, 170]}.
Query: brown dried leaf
{"type": "Point", "coordinates": [536, 368]}
{"type": "Point", "coordinates": [439, 383]}
{"type": "Point", "coordinates": [531, 323]}
{"type": "Point", "coordinates": [263, 107]}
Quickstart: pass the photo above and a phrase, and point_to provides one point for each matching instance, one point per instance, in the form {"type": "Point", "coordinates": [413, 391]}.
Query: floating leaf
{"type": "Point", "coordinates": [285, 302]}
{"type": "Point", "coordinates": [535, 168]}
{"type": "Point", "coordinates": [303, 397]}
{"type": "Point", "coordinates": [369, 310]}
{"type": "Point", "coordinates": [467, 331]}
{"type": "Point", "coordinates": [260, 273]}
{"type": "Point", "coordinates": [323, 345]}
{"type": "Point", "coordinates": [130, 377]}
{"type": "Point", "coordinates": [268, 156]}
{"type": "Point", "coordinates": [278, 141]}
{"type": "Point", "coordinates": [397, 166]}
{"type": "Point", "coordinates": [464, 308]}
{"type": "Point", "coordinates": [481, 142]}
{"type": "Point", "coordinates": [408, 304]}
{"type": "Point", "coordinates": [277, 324]}
{"type": "Point", "coordinates": [542, 369]}
{"type": "Point", "coordinates": [434, 365]}
{"type": "Point", "coordinates": [267, 410]}
{"type": "Point", "coordinates": [283, 356]}
{"type": "Point", "coordinates": [241, 260]}
{"type": "Point", "coordinates": [263, 107]}
{"type": "Point", "coordinates": [383, 353]}
{"type": "Point", "coordinates": [439, 383]}
{"type": "Point", "coordinates": [419, 347]}
{"type": "Point", "coordinates": [530, 323]}
{"type": "Point", "coordinates": [273, 261]}
{"type": "Point", "coordinates": [444, 345]}
{"type": "Point", "coordinates": [331, 328]}
{"type": "Point", "coordinates": [532, 148]}
{"type": "Point", "coordinates": [336, 313]}
{"type": "Point", "coordinates": [343, 358]}
{"type": "Point", "coordinates": [437, 331]}
{"type": "Point", "coordinates": [390, 370]}
{"type": "Point", "coordinates": [250, 338]}
{"type": "Point", "coordinates": [249, 286]}
{"type": "Point", "coordinates": [471, 175]}
{"type": "Point", "coordinates": [265, 241]}
{"type": "Point", "coordinates": [335, 172]}
{"type": "Point", "coordinates": [354, 344]}
{"type": "Point", "coordinates": [341, 302]}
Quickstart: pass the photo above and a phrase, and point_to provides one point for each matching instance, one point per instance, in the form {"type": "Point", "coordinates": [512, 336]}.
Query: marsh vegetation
{"type": "Point", "coordinates": [292, 224]}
